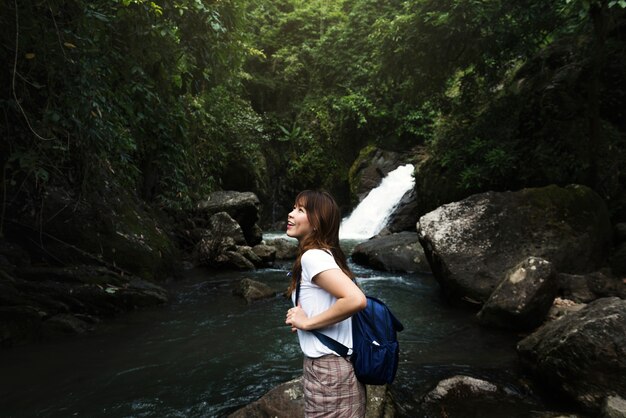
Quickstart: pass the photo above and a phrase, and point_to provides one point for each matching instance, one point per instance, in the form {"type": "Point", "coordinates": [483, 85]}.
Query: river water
{"type": "Point", "coordinates": [208, 353]}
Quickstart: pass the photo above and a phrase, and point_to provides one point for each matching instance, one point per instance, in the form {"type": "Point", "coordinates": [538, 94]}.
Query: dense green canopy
{"type": "Point", "coordinates": [172, 99]}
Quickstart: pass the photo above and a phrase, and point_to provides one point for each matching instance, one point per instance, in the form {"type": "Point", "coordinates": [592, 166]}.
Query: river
{"type": "Point", "coordinates": [208, 353]}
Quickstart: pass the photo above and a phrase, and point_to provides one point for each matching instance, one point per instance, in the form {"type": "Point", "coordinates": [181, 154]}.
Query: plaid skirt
{"type": "Point", "coordinates": [331, 389]}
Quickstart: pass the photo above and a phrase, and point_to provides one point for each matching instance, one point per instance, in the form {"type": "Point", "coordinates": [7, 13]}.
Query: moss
{"type": "Point", "coordinates": [573, 211]}
{"type": "Point", "coordinates": [138, 243]}
{"type": "Point", "coordinates": [353, 174]}
{"type": "Point", "coordinates": [364, 155]}
{"type": "Point", "coordinates": [111, 226]}
{"type": "Point", "coordinates": [576, 202]}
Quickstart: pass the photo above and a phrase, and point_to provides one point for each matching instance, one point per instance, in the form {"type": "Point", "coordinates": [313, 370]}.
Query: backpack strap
{"type": "Point", "coordinates": [331, 343]}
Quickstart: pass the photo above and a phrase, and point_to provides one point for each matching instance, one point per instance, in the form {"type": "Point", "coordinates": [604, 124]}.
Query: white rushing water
{"type": "Point", "coordinates": [372, 214]}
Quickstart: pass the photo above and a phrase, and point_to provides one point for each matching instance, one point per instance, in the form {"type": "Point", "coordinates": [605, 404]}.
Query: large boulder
{"type": "Point", "coordinates": [43, 302]}
{"type": "Point", "coordinates": [539, 119]}
{"type": "Point", "coordinates": [284, 401]}
{"type": "Point", "coordinates": [435, 184]}
{"type": "Point", "coordinates": [227, 256]}
{"type": "Point", "coordinates": [523, 298]}
{"type": "Point", "coordinates": [243, 207]}
{"type": "Point", "coordinates": [404, 217]}
{"type": "Point", "coordinates": [614, 407]}
{"type": "Point", "coordinates": [111, 227]}
{"type": "Point", "coordinates": [223, 245]}
{"type": "Point", "coordinates": [456, 395]}
{"type": "Point", "coordinates": [287, 401]}
{"type": "Point", "coordinates": [395, 252]}
{"type": "Point", "coordinates": [222, 225]}
{"type": "Point", "coordinates": [582, 354]}
{"type": "Point", "coordinates": [473, 243]}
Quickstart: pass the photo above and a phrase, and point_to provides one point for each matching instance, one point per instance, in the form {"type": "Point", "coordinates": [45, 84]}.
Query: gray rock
{"type": "Point", "coordinates": [395, 252]}
{"type": "Point", "coordinates": [222, 225]}
{"type": "Point", "coordinates": [222, 251]}
{"type": "Point", "coordinates": [561, 307]}
{"type": "Point", "coordinates": [575, 287]}
{"type": "Point", "coordinates": [252, 290]}
{"type": "Point", "coordinates": [243, 207]}
{"type": "Point", "coordinates": [55, 301]}
{"type": "Point", "coordinates": [287, 401]}
{"type": "Point", "coordinates": [369, 169]}
{"type": "Point", "coordinates": [210, 250]}
{"type": "Point", "coordinates": [140, 293]}
{"type": "Point", "coordinates": [64, 324]}
{"type": "Point", "coordinates": [471, 244]}
{"type": "Point", "coordinates": [254, 235]}
{"type": "Point", "coordinates": [581, 355]}
{"type": "Point", "coordinates": [458, 395]}
{"type": "Point", "coordinates": [286, 249]}
{"type": "Point", "coordinates": [523, 298]}
{"type": "Point", "coordinates": [380, 403]}
{"type": "Point", "coordinates": [614, 407]}
{"type": "Point", "coordinates": [249, 253]}
{"type": "Point", "coordinates": [266, 253]}
{"type": "Point", "coordinates": [234, 259]}
{"type": "Point", "coordinates": [459, 387]}
{"type": "Point", "coordinates": [284, 401]}
{"type": "Point", "coordinates": [404, 217]}
{"type": "Point", "coordinates": [585, 288]}
{"type": "Point", "coordinates": [112, 228]}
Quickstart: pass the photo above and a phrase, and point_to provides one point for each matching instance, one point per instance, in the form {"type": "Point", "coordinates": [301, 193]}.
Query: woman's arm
{"type": "Point", "coordinates": [350, 299]}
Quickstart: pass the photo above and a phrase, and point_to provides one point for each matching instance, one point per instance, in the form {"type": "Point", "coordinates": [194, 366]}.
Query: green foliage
{"type": "Point", "coordinates": [176, 98]}
{"type": "Point", "coordinates": [130, 91]}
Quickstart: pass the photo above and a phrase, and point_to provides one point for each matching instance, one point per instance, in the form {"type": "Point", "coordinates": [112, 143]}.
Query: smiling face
{"type": "Point", "coordinates": [298, 224]}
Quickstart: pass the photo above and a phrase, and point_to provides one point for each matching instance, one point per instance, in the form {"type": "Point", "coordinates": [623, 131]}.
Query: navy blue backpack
{"type": "Point", "coordinates": [375, 351]}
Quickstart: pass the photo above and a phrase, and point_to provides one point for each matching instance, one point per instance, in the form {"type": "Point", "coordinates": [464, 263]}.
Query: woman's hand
{"type": "Point", "coordinates": [296, 317]}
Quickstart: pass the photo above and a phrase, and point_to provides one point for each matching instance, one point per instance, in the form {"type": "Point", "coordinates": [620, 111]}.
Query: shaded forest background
{"type": "Point", "coordinates": [163, 102]}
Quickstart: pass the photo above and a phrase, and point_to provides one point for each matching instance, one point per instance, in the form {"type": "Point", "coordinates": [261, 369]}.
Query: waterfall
{"type": "Point", "coordinates": [372, 214]}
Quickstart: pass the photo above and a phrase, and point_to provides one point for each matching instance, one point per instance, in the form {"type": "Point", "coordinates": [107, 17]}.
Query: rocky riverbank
{"type": "Point", "coordinates": [542, 262]}
{"type": "Point", "coordinates": [77, 263]}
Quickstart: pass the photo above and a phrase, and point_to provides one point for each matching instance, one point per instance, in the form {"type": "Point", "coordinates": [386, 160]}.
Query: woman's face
{"type": "Point", "coordinates": [298, 225]}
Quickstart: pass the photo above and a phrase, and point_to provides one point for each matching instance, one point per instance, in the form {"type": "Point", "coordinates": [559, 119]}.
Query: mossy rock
{"type": "Point", "coordinates": [472, 244]}
{"type": "Point", "coordinates": [368, 170]}
{"type": "Point", "coordinates": [111, 228]}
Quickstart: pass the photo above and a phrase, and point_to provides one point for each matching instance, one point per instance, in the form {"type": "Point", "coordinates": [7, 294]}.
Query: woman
{"type": "Point", "coordinates": [328, 297]}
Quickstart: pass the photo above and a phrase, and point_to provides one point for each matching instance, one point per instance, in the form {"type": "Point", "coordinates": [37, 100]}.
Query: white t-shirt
{"type": "Point", "coordinates": [315, 300]}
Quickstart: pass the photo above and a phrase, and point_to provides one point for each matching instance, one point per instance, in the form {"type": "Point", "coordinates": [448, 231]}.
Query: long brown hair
{"type": "Point", "coordinates": [325, 218]}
